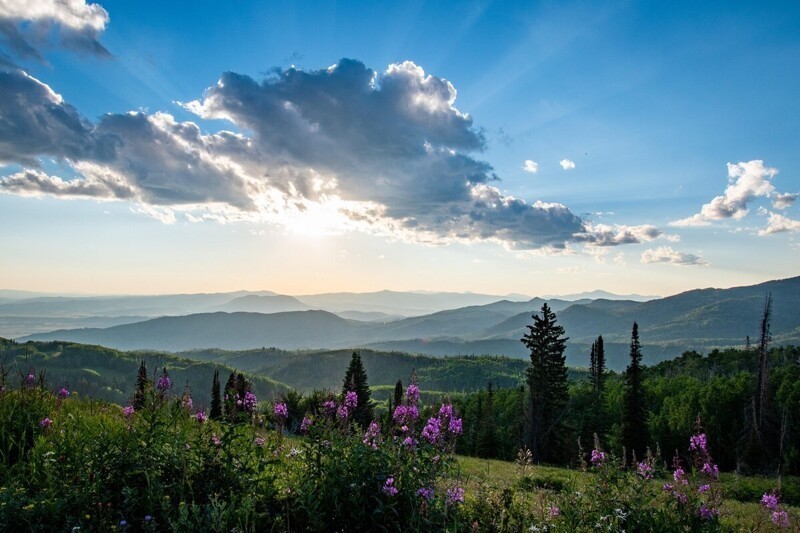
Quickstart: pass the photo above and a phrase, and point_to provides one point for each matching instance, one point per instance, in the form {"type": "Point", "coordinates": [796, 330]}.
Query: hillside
{"type": "Point", "coordinates": [700, 319]}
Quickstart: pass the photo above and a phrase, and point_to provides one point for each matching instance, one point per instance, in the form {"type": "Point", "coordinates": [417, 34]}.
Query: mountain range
{"type": "Point", "coordinates": [700, 319]}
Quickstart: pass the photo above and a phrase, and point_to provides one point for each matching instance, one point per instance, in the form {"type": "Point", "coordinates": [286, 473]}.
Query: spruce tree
{"type": "Point", "coordinates": [597, 373]}
{"type": "Point", "coordinates": [598, 365]}
{"type": "Point", "coordinates": [216, 400]}
{"type": "Point", "coordinates": [634, 425]}
{"type": "Point", "coordinates": [355, 379]}
{"type": "Point", "coordinates": [142, 385]}
{"type": "Point", "coordinates": [547, 382]}
{"type": "Point", "coordinates": [398, 393]}
{"type": "Point", "coordinates": [231, 395]}
{"type": "Point", "coordinates": [487, 433]}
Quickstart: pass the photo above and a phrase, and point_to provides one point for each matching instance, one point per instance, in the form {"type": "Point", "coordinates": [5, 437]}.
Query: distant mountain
{"type": "Point", "coordinates": [600, 294]}
{"type": "Point", "coordinates": [397, 303]}
{"type": "Point", "coordinates": [254, 303]}
{"type": "Point", "coordinates": [699, 319]}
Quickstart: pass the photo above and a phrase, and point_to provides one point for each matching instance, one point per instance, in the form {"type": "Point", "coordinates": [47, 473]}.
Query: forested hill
{"type": "Point", "coordinates": [695, 320]}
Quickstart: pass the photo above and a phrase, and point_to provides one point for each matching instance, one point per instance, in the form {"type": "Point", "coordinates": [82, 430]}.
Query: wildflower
{"type": "Point", "coordinates": [45, 423]}
{"type": "Point", "coordinates": [780, 519]}
{"type": "Point", "coordinates": [201, 416]}
{"type": "Point", "coordinates": [128, 411]}
{"type": "Point", "coordinates": [373, 435]}
{"type": "Point", "coordinates": [342, 412]}
{"type": "Point", "coordinates": [710, 469]}
{"type": "Point", "coordinates": [553, 512]}
{"type": "Point", "coordinates": [681, 497]}
{"type": "Point", "coordinates": [351, 399]}
{"type": "Point", "coordinates": [306, 424]}
{"type": "Point", "coordinates": [702, 489]}
{"type": "Point", "coordinates": [63, 393]}
{"type": "Point", "coordinates": [281, 412]}
{"type": "Point", "coordinates": [215, 439]}
{"type": "Point", "coordinates": [667, 487]}
{"type": "Point", "coordinates": [598, 457]}
{"type": "Point", "coordinates": [250, 402]}
{"type": "Point", "coordinates": [30, 379]}
{"type": "Point", "coordinates": [409, 442]}
{"type": "Point", "coordinates": [645, 470]}
{"type": "Point", "coordinates": [164, 382]}
{"type": "Point", "coordinates": [454, 495]}
{"type": "Point", "coordinates": [388, 487]}
{"type": "Point", "coordinates": [446, 411]}
{"type": "Point", "coordinates": [431, 431]}
{"type": "Point", "coordinates": [412, 394]}
{"type": "Point", "coordinates": [148, 518]}
{"type": "Point", "coordinates": [424, 492]}
{"type": "Point", "coordinates": [405, 414]}
{"type": "Point", "coordinates": [707, 513]}
{"type": "Point", "coordinates": [123, 524]}
{"type": "Point", "coordinates": [770, 501]}
{"type": "Point", "coordinates": [680, 476]}
{"type": "Point", "coordinates": [329, 406]}
{"type": "Point", "coordinates": [259, 441]}
{"type": "Point", "coordinates": [455, 426]}
{"type": "Point", "coordinates": [697, 443]}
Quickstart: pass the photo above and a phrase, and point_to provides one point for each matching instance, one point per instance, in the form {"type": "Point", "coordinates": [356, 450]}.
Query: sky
{"type": "Point", "coordinates": [306, 147]}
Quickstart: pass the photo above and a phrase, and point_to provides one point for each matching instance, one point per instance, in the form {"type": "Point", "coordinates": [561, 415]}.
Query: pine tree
{"type": "Point", "coordinates": [231, 394]}
{"type": "Point", "coordinates": [634, 428]}
{"type": "Point", "coordinates": [143, 384]}
{"type": "Point", "coordinates": [398, 393]}
{"type": "Point", "coordinates": [355, 379]}
{"type": "Point", "coordinates": [596, 419]}
{"type": "Point", "coordinates": [216, 400]}
{"type": "Point", "coordinates": [487, 433]}
{"type": "Point", "coordinates": [598, 365]}
{"type": "Point", "coordinates": [547, 381]}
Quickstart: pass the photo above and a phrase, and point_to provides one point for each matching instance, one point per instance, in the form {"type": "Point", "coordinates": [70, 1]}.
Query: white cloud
{"type": "Point", "coordinates": [665, 254]}
{"type": "Point", "coordinates": [27, 26]}
{"type": "Point", "coordinates": [566, 164]}
{"type": "Point", "coordinates": [780, 224]}
{"type": "Point", "coordinates": [783, 200]}
{"type": "Point", "coordinates": [530, 166]}
{"type": "Point", "coordinates": [746, 181]}
{"type": "Point", "coordinates": [604, 235]}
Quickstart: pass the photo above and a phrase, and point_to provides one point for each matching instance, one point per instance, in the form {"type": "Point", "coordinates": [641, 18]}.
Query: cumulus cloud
{"type": "Point", "coordinates": [665, 254]}
{"type": "Point", "coordinates": [343, 147]}
{"type": "Point", "coordinates": [780, 224]}
{"type": "Point", "coordinates": [566, 164]}
{"type": "Point", "coordinates": [746, 181]}
{"type": "Point", "coordinates": [605, 235]}
{"type": "Point", "coordinates": [28, 26]}
{"type": "Point", "coordinates": [530, 166]}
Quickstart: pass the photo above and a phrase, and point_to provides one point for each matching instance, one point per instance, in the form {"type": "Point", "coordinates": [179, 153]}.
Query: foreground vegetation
{"type": "Point", "coordinates": [75, 462]}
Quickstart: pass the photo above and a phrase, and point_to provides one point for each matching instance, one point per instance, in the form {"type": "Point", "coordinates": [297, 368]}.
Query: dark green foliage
{"type": "Point", "coordinates": [487, 432]}
{"type": "Point", "coordinates": [634, 425]}
{"type": "Point", "coordinates": [398, 393]}
{"type": "Point", "coordinates": [143, 384]}
{"type": "Point", "coordinates": [215, 412]}
{"type": "Point", "coordinates": [355, 379]}
{"type": "Point", "coordinates": [547, 382]}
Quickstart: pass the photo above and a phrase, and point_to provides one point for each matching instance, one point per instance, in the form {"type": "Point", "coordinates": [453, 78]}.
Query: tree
{"type": "Point", "coordinates": [634, 428]}
{"type": "Point", "coordinates": [355, 379]}
{"type": "Point", "coordinates": [597, 371]}
{"type": "Point", "coordinates": [143, 384]}
{"type": "Point", "coordinates": [547, 381]}
{"type": "Point", "coordinates": [487, 434]}
{"type": "Point", "coordinates": [596, 416]}
{"type": "Point", "coordinates": [398, 393]}
{"type": "Point", "coordinates": [216, 400]}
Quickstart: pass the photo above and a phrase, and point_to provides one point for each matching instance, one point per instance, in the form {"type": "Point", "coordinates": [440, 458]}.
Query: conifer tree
{"type": "Point", "coordinates": [596, 417]}
{"type": "Point", "coordinates": [487, 433]}
{"type": "Point", "coordinates": [231, 395]}
{"type": "Point", "coordinates": [398, 393]}
{"type": "Point", "coordinates": [634, 428]}
{"type": "Point", "coordinates": [143, 383]}
{"type": "Point", "coordinates": [216, 400]}
{"type": "Point", "coordinates": [598, 365]}
{"type": "Point", "coordinates": [355, 379]}
{"type": "Point", "coordinates": [547, 381]}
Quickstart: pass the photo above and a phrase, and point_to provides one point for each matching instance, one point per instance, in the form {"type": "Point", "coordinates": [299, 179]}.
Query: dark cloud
{"type": "Point", "coordinates": [390, 151]}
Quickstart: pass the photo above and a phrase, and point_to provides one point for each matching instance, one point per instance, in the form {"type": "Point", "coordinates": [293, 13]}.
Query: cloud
{"type": "Point", "coordinates": [665, 254]}
{"type": "Point", "coordinates": [530, 166]}
{"type": "Point", "coordinates": [746, 181]}
{"type": "Point", "coordinates": [338, 149]}
{"type": "Point", "coordinates": [28, 26]}
{"type": "Point", "coordinates": [783, 200]}
{"type": "Point", "coordinates": [604, 235]}
{"type": "Point", "coordinates": [780, 224]}
{"type": "Point", "coordinates": [566, 164]}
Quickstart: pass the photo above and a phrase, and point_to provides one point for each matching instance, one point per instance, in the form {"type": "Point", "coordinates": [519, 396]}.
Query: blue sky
{"type": "Point", "coordinates": [364, 145]}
